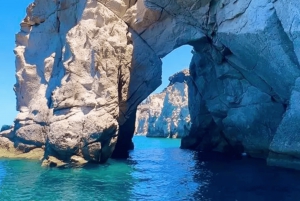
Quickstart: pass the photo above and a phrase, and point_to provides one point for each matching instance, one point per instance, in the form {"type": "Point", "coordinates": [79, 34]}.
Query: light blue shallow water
{"type": "Point", "coordinates": [156, 170]}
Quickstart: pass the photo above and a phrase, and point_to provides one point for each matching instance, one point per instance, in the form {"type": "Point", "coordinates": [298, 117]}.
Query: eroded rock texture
{"type": "Point", "coordinates": [166, 114]}
{"type": "Point", "coordinates": [82, 68]}
{"type": "Point", "coordinates": [79, 77]}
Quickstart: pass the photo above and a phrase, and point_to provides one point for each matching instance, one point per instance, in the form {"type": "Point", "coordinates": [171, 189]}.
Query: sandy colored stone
{"type": "Point", "coordinates": [7, 150]}
{"type": "Point", "coordinates": [78, 161]}
{"type": "Point", "coordinates": [53, 162]}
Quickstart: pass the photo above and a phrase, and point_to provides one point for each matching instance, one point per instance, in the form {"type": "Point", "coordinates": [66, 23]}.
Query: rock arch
{"type": "Point", "coordinates": [84, 66]}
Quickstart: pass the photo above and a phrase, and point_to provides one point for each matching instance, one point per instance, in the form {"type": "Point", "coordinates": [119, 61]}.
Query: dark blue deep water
{"type": "Point", "coordinates": [156, 170]}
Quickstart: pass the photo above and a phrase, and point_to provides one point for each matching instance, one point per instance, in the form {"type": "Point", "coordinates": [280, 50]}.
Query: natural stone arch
{"type": "Point", "coordinates": [84, 66]}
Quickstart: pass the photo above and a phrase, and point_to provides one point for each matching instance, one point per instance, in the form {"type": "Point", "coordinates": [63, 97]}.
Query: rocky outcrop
{"type": "Point", "coordinates": [245, 83]}
{"type": "Point", "coordinates": [82, 67]}
{"type": "Point", "coordinates": [166, 114]}
{"type": "Point", "coordinates": [78, 78]}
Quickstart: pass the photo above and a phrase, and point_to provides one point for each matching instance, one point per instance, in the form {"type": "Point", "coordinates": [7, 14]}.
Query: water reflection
{"type": "Point", "coordinates": [2, 173]}
{"type": "Point", "coordinates": [156, 170]}
{"type": "Point", "coordinates": [163, 171]}
{"type": "Point", "coordinates": [244, 180]}
{"type": "Point", "coordinates": [26, 180]}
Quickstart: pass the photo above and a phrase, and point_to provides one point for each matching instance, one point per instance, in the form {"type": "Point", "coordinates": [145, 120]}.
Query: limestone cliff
{"type": "Point", "coordinates": [166, 114]}
{"type": "Point", "coordinates": [82, 67]}
{"type": "Point", "coordinates": [79, 77]}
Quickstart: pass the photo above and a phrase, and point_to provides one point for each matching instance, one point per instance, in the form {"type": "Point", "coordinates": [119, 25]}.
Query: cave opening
{"type": "Point", "coordinates": [164, 113]}
{"type": "Point", "coordinates": [174, 62]}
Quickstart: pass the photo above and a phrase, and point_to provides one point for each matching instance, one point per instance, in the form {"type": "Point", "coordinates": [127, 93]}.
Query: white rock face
{"type": "Point", "coordinates": [74, 63]}
{"type": "Point", "coordinates": [82, 68]}
{"type": "Point", "coordinates": [166, 114]}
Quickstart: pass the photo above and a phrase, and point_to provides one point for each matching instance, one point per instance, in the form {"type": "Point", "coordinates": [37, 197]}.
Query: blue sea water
{"type": "Point", "coordinates": [156, 170]}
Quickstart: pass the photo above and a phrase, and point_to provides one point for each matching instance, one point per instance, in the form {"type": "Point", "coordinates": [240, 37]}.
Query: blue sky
{"type": "Point", "coordinates": [11, 14]}
{"type": "Point", "coordinates": [175, 61]}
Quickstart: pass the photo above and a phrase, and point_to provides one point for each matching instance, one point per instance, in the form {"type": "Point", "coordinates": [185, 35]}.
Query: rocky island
{"type": "Point", "coordinates": [83, 67]}
{"type": "Point", "coordinates": [166, 114]}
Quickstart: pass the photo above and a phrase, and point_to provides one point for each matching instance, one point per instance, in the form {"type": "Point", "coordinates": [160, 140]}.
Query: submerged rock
{"type": "Point", "coordinates": [83, 67]}
{"type": "Point", "coordinates": [166, 114]}
{"type": "Point", "coordinates": [53, 162]}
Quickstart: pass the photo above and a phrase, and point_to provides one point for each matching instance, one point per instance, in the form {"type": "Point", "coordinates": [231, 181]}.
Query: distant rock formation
{"type": "Point", "coordinates": [166, 114]}
{"type": "Point", "coordinates": [83, 67]}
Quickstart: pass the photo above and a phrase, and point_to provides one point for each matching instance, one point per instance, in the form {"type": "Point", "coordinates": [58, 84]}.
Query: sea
{"type": "Point", "coordinates": [157, 169]}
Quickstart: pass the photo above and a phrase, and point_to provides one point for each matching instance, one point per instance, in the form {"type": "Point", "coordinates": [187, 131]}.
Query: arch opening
{"type": "Point", "coordinates": [222, 96]}
{"type": "Point", "coordinates": [164, 113]}
{"type": "Point", "coordinates": [167, 106]}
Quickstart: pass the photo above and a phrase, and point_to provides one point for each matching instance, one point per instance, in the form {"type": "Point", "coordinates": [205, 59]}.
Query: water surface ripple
{"type": "Point", "coordinates": [156, 170]}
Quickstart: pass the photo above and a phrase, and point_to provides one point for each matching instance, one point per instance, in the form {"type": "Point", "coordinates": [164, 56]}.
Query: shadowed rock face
{"type": "Point", "coordinates": [82, 67]}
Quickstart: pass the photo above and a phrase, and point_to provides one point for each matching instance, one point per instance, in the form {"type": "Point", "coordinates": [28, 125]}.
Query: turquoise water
{"type": "Point", "coordinates": [156, 170]}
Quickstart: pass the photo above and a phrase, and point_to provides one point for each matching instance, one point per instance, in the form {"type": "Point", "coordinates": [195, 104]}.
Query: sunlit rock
{"type": "Point", "coordinates": [166, 114]}
{"type": "Point", "coordinates": [83, 67]}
